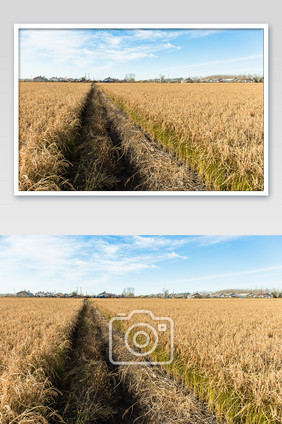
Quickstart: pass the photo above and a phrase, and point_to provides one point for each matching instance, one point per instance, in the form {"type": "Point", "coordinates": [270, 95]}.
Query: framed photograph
{"type": "Point", "coordinates": [141, 109]}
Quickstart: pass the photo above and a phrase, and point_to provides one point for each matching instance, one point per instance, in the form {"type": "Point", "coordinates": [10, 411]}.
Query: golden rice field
{"type": "Point", "coordinates": [216, 128]}
{"type": "Point", "coordinates": [228, 350]}
{"type": "Point", "coordinates": [48, 121]}
{"type": "Point", "coordinates": [34, 337]}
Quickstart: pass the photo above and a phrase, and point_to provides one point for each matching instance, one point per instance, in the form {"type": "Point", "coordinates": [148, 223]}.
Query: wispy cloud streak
{"type": "Point", "coordinates": [216, 62]}
{"type": "Point", "coordinates": [227, 275]}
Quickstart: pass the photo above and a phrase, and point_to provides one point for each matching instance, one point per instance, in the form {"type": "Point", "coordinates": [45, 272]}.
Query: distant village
{"type": "Point", "coordinates": [165, 295]}
{"type": "Point", "coordinates": [162, 79]}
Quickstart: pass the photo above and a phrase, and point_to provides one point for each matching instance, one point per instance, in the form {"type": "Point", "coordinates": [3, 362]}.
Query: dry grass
{"type": "Point", "coordinates": [216, 128]}
{"type": "Point", "coordinates": [229, 351]}
{"type": "Point", "coordinates": [88, 393]}
{"type": "Point", "coordinates": [152, 169]}
{"type": "Point", "coordinates": [95, 157]}
{"type": "Point", "coordinates": [48, 123]}
{"type": "Point", "coordinates": [34, 338]}
{"type": "Point", "coordinates": [148, 395]}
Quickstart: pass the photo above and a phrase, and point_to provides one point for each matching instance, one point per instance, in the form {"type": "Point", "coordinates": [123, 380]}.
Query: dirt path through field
{"type": "Point", "coordinates": [96, 391]}
{"type": "Point", "coordinates": [112, 153]}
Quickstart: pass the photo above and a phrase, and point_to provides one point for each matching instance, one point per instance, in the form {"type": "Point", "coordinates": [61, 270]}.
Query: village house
{"type": "Point", "coordinates": [195, 296]}
{"type": "Point", "coordinates": [106, 295]}
{"type": "Point", "coordinates": [40, 294]}
{"type": "Point", "coordinates": [109, 79]}
{"type": "Point", "coordinates": [40, 79]}
{"type": "Point", "coordinates": [24, 293]}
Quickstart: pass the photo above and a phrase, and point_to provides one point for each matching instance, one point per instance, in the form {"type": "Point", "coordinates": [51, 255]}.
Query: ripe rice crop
{"type": "Point", "coordinates": [228, 350]}
{"type": "Point", "coordinates": [34, 337]}
{"type": "Point", "coordinates": [48, 122]}
{"type": "Point", "coordinates": [216, 128]}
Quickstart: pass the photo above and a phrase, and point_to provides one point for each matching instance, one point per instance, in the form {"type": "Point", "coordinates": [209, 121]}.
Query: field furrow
{"type": "Point", "coordinates": [96, 391]}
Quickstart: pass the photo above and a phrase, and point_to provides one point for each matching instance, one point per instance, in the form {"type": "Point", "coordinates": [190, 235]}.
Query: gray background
{"type": "Point", "coordinates": [121, 215]}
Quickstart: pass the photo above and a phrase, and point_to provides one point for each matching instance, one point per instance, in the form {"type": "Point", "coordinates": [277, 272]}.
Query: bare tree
{"type": "Point", "coordinates": [128, 292]}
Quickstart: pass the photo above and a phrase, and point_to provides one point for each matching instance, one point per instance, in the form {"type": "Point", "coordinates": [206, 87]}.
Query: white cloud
{"type": "Point", "coordinates": [154, 35]}
{"type": "Point", "coordinates": [171, 46]}
{"type": "Point", "coordinates": [174, 255]}
{"type": "Point", "coordinates": [210, 240]}
{"type": "Point", "coordinates": [199, 33]}
{"type": "Point", "coordinates": [69, 50]}
{"type": "Point", "coordinates": [151, 242]}
{"type": "Point", "coordinates": [155, 242]}
{"type": "Point", "coordinates": [65, 260]}
{"type": "Point", "coordinates": [106, 248]}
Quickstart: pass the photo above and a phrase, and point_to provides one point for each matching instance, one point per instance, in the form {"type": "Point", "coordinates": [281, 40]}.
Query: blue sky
{"type": "Point", "coordinates": [147, 263]}
{"type": "Point", "coordinates": [147, 53]}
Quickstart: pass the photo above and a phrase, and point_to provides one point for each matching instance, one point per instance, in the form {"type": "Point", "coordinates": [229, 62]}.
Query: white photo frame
{"type": "Point", "coordinates": [264, 27]}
